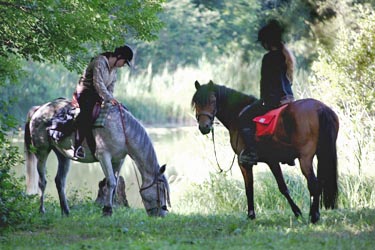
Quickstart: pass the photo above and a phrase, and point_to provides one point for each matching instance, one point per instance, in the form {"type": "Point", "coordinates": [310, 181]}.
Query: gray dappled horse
{"type": "Point", "coordinates": [121, 135]}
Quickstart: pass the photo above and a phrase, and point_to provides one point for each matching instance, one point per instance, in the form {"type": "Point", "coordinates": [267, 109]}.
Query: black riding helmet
{"type": "Point", "coordinates": [124, 52]}
{"type": "Point", "coordinates": [271, 33]}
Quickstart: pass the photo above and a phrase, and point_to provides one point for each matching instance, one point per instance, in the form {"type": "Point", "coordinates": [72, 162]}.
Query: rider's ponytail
{"type": "Point", "coordinates": [290, 62]}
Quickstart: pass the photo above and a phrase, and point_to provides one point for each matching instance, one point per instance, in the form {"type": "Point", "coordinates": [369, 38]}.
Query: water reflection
{"type": "Point", "coordinates": [188, 154]}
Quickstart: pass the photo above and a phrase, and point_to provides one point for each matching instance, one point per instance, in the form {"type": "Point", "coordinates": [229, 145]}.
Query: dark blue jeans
{"type": "Point", "coordinates": [252, 111]}
{"type": "Point", "coordinates": [86, 100]}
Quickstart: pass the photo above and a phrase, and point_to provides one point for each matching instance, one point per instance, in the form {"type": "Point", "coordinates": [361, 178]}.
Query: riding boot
{"type": "Point", "coordinates": [248, 157]}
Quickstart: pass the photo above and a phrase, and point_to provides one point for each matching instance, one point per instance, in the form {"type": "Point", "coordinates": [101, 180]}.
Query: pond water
{"type": "Point", "coordinates": [188, 154]}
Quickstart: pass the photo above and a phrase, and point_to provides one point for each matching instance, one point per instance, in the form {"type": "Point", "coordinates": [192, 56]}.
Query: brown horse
{"type": "Point", "coordinates": [305, 128]}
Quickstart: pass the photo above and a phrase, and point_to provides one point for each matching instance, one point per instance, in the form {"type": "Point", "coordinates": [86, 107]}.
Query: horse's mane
{"type": "Point", "coordinates": [140, 145]}
{"type": "Point", "coordinates": [232, 96]}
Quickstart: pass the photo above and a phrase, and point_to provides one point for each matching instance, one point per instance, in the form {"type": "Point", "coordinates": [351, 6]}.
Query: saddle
{"type": "Point", "coordinates": [62, 124]}
{"type": "Point", "coordinates": [266, 124]}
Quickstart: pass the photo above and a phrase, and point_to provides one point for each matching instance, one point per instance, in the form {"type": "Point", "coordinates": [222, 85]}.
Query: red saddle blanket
{"type": "Point", "coordinates": [266, 124]}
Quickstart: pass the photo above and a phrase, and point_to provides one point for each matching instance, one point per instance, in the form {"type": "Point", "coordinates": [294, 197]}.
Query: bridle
{"type": "Point", "coordinates": [212, 117]}
{"type": "Point", "coordinates": [208, 114]}
{"type": "Point", "coordinates": [158, 181]}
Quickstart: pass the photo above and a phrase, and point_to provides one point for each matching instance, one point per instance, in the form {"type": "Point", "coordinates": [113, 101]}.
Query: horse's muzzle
{"type": "Point", "coordinates": [157, 212]}
{"type": "Point", "coordinates": [205, 129]}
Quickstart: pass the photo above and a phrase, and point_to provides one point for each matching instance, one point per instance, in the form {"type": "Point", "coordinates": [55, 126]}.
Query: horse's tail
{"type": "Point", "coordinates": [32, 177]}
{"type": "Point", "coordinates": [327, 156]}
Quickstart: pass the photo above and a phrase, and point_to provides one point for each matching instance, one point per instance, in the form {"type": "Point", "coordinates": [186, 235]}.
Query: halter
{"type": "Point", "coordinates": [208, 114]}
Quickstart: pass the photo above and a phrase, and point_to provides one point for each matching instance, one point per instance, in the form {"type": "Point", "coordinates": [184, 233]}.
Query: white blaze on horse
{"type": "Point", "coordinates": [121, 135]}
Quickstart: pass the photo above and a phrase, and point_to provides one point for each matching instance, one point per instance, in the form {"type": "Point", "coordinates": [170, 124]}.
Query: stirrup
{"type": "Point", "coordinates": [248, 158]}
{"type": "Point", "coordinates": [79, 152]}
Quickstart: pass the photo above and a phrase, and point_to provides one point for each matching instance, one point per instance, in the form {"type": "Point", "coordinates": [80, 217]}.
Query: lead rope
{"type": "Point", "coordinates": [136, 177]}
{"type": "Point", "coordinates": [117, 174]}
{"type": "Point", "coordinates": [217, 162]}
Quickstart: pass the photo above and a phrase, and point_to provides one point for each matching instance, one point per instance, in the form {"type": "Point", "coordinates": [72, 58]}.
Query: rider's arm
{"type": "Point", "coordinates": [100, 75]}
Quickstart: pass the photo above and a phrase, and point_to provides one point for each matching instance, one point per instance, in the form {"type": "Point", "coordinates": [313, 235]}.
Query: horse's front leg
{"type": "Point", "coordinates": [116, 165]}
{"type": "Point", "coordinates": [278, 174]}
{"type": "Point", "coordinates": [60, 180]}
{"type": "Point", "coordinates": [106, 164]}
{"type": "Point", "coordinates": [247, 174]}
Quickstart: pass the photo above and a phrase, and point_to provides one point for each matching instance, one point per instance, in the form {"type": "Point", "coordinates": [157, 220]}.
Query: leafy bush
{"type": "Point", "coordinates": [15, 206]}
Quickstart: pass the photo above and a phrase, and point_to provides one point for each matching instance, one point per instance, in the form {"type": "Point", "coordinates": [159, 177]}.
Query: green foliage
{"type": "Point", "coordinates": [347, 71]}
{"type": "Point", "coordinates": [15, 206]}
{"type": "Point", "coordinates": [194, 30]}
{"type": "Point", "coordinates": [348, 68]}
{"type": "Point", "coordinates": [41, 82]}
{"type": "Point", "coordinates": [61, 31]}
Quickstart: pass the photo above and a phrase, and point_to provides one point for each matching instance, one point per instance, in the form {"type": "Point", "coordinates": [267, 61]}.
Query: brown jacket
{"type": "Point", "coordinates": [99, 78]}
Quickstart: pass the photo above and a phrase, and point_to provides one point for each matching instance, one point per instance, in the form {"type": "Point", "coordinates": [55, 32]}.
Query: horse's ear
{"type": "Point", "coordinates": [211, 82]}
{"type": "Point", "coordinates": [197, 85]}
{"type": "Point", "coordinates": [162, 169]}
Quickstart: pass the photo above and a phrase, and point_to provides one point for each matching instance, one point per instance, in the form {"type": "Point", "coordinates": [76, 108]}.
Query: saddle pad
{"type": "Point", "coordinates": [102, 117]}
{"type": "Point", "coordinates": [266, 124]}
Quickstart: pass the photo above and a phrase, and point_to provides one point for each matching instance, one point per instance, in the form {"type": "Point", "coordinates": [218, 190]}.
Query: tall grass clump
{"type": "Point", "coordinates": [222, 193]}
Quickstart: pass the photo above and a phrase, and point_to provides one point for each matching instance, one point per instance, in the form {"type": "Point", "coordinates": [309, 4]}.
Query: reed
{"type": "Point", "coordinates": [165, 97]}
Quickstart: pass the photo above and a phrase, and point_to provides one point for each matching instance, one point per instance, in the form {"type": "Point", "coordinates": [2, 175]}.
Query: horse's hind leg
{"type": "Point", "coordinates": [276, 171]}
{"type": "Point", "coordinates": [313, 185]}
{"type": "Point", "coordinates": [60, 180]}
{"type": "Point", "coordinates": [41, 166]}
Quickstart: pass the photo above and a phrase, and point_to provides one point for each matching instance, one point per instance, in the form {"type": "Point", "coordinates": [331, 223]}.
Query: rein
{"type": "Point", "coordinates": [212, 117]}
{"type": "Point", "coordinates": [221, 170]}
{"type": "Point", "coordinates": [122, 122]}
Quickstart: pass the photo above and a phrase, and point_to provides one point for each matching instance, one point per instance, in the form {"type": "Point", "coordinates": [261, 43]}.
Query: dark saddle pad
{"type": "Point", "coordinates": [62, 124]}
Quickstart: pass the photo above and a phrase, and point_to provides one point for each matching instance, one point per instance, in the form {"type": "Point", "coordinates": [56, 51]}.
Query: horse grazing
{"type": "Point", "coordinates": [305, 128]}
{"type": "Point", "coordinates": [121, 135]}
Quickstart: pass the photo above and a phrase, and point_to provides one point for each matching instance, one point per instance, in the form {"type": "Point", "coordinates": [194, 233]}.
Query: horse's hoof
{"type": "Point", "coordinates": [107, 211]}
{"type": "Point", "coordinates": [42, 210]}
{"type": "Point", "coordinates": [251, 215]}
{"type": "Point", "coordinates": [297, 213]}
{"type": "Point", "coordinates": [65, 212]}
{"type": "Point", "coordinates": [315, 217]}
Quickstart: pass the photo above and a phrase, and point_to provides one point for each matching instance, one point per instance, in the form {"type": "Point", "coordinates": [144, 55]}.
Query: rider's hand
{"type": "Point", "coordinates": [114, 102]}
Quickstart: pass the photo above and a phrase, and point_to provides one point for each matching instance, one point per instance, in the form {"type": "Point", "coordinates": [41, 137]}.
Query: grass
{"type": "Point", "coordinates": [211, 215]}
{"type": "Point", "coordinates": [130, 228]}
